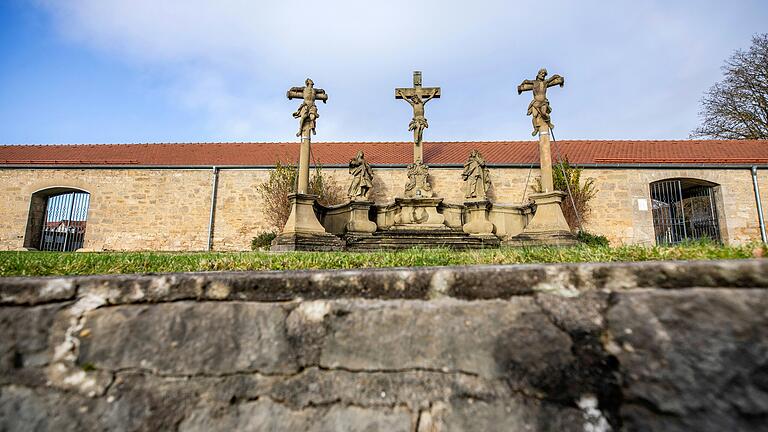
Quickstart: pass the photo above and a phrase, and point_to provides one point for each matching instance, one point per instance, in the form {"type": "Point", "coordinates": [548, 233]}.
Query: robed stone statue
{"type": "Point", "coordinates": [362, 178]}
{"type": "Point", "coordinates": [476, 178]}
{"type": "Point", "coordinates": [539, 107]}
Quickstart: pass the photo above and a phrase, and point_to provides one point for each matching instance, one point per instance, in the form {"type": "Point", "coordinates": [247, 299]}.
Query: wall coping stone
{"type": "Point", "coordinates": [479, 282]}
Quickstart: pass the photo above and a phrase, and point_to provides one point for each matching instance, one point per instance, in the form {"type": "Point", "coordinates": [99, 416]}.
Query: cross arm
{"type": "Point", "coordinates": [555, 80]}
{"type": "Point", "coordinates": [295, 93]}
{"type": "Point", "coordinates": [405, 93]}
{"type": "Point", "coordinates": [321, 95]}
{"type": "Point", "coordinates": [525, 86]}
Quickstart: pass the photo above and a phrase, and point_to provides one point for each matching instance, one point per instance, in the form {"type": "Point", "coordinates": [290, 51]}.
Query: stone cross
{"type": "Point", "coordinates": [539, 109]}
{"type": "Point", "coordinates": [307, 115]}
{"type": "Point", "coordinates": [417, 96]}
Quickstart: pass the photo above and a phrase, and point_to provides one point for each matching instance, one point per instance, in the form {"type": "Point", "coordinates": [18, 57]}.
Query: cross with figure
{"type": "Point", "coordinates": [307, 111]}
{"type": "Point", "coordinates": [307, 115]}
{"type": "Point", "coordinates": [539, 107]}
{"type": "Point", "coordinates": [417, 96]}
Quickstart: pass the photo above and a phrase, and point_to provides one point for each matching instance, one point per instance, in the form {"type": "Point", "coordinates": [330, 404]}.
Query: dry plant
{"type": "Point", "coordinates": [283, 181]}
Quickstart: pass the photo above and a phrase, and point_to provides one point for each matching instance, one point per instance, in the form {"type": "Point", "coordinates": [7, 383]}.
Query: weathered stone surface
{"type": "Point", "coordinates": [266, 415]}
{"type": "Point", "coordinates": [206, 338]}
{"type": "Point", "coordinates": [466, 415]}
{"type": "Point", "coordinates": [651, 346]}
{"type": "Point", "coordinates": [488, 339]}
{"type": "Point", "coordinates": [692, 360]}
{"type": "Point", "coordinates": [24, 346]}
{"type": "Point", "coordinates": [465, 282]}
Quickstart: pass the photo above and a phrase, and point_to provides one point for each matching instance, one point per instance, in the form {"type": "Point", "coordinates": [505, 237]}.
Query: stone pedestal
{"type": "Point", "coordinates": [419, 213]}
{"type": "Point", "coordinates": [359, 223]}
{"type": "Point", "coordinates": [302, 230]}
{"type": "Point", "coordinates": [477, 218]}
{"type": "Point", "coordinates": [548, 225]}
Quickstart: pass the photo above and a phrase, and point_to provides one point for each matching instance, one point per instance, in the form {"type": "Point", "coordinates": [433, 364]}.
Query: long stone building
{"type": "Point", "coordinates": [203, 196]}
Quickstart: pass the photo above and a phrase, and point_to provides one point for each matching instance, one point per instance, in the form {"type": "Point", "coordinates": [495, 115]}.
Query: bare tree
{"type": "Point", "coordinates": [737, 106]}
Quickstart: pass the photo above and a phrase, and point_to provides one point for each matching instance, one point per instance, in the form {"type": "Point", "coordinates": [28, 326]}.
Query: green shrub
{"type": "Point", "coordinates": [568, 178]}
{"type": "Point", "coordinates": [592, 239]}
{"type": "Point", "coordinates": [263, 240]}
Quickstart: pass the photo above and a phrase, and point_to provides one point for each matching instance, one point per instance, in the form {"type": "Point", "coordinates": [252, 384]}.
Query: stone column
{"type": "Point", "coordinates": [304, 165]}
{"type": "Point", "coordinates": [303, 231]}
{"type": "Point", "coordinates": [418, 152]}
{"type": "Point", "coordinates": [545, 158]}
{"type": "Point", "coordinates": [548, 225]}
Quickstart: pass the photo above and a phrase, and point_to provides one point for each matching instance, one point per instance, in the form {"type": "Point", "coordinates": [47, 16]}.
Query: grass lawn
{"type": "Point", "coordinates": [55, 263]}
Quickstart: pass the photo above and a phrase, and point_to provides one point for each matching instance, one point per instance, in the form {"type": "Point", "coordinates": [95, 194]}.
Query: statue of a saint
{"type": "Point", "coordinates": [307, 111]}
{"type": "Point", "coordinates": [419, 122]}
{"type": "Point", "coordinates": [362, 178]}
{"type": "Point", "coordinates": [539, 107]}
{"type": "Point", "coordinates": [475, 175]}
{"type": "Point", "coordinates": [418, 182]}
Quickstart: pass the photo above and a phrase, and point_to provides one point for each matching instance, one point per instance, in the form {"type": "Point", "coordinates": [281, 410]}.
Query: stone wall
{"type": "Point", "coordinates": [591, 347]}
{"type": "Point", "coordinates": [168, 209]}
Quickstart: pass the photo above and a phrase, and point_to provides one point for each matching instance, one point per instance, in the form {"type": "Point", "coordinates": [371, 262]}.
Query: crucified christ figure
{"type": "Point", "coordinates": [419, 122]}
{"type": "Point", "coordinates": [539, 107]}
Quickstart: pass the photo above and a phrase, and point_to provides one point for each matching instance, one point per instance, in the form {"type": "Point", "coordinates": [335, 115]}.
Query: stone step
{"type": "Point", "coordinates": [407, 239]}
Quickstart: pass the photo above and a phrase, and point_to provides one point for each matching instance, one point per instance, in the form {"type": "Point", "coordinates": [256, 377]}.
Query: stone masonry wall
{"type": "Point", "coordinates": [146, 209]}
{"type": "Point", "coordinates": [671, 346]}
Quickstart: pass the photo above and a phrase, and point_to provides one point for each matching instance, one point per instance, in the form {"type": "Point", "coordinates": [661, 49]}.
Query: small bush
{"type": "Point", "coordinates": [263, 240]}
{"type": "Point", "coordinates": [592, 239]}
{"type": "Point", "coordinates": [282, 181]}
{"type": "Point", "coordinates": [567, 178]}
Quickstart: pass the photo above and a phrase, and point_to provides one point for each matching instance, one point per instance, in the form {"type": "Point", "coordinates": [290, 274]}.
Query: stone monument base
{"type": "Point", "coordinates": [303, 232]}
{"type": "Point", "coordinates": [477, 218]}
{"type": "Point", "coordinates": [548, 226]}
{"type": "Point", "coordinates": [419, 214]}
{"type": "Point", "coordinates": [306, 242]}
{"type": "Point", "coordinates": [399, 238]}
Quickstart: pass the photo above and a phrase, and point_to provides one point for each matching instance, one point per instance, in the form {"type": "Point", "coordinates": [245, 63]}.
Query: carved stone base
{"type": "Point", "coordinates": [306, 242]}
{"type": "Point", "coordinates": [548, 225]}
{"type": "Point", "coordinates": [303, 231]}
{"type": "Point", "coordinates": [302, 218]}
{"type": "Point", "coordinates": [419, 213]}
{"type": "Point", "coordinates": [358, 220]}
{"type": "Point", "coordinates": [477, 218]}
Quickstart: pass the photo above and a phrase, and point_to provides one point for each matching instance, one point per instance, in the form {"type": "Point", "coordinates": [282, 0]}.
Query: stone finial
{"type": "Point", "coordinates": [362, 178]}
{"type": "Point", "coordinates": [539, 107]}
{"type": "Point", "coordinates": [476, 177]}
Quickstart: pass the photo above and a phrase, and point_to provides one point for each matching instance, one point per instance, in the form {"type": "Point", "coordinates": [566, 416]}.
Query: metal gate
{"type": "Point", "coordinates": [683, 210]}
{"type": "Point", "coordinates": [64, 222]}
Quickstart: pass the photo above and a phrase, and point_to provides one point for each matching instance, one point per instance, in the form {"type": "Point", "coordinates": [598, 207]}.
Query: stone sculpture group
{"type": "Point", "coordinates": [419, 217]}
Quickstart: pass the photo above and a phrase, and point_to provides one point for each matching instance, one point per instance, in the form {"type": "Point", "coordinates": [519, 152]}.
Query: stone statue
{"type": "Point", "coordinates": [418, 183]}
{"type": "Point", "coordinates": [362, 178]}
{"type": "Point", "coordinates": [307, 111]}
{"type": "Point", "coordinates": [475, 175]}
{"type": "Point", "coordinates": [417, 96]}
{"type": "Point", "coordinates": [539, 107]}
{"type": "Point", "coordinates": [419, 122]}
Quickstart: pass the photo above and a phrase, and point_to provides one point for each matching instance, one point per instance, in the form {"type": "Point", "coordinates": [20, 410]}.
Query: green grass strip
{"type": "Point", "coordinates": [55, 263]}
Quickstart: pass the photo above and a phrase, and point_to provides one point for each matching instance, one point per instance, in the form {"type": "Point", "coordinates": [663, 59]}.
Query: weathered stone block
{"type": "Point", "coordinates": [207, 338]}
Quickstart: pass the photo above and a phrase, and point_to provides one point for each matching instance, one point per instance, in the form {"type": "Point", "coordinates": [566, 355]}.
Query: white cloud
{"type": "Point", "coordinates": [232, 60]}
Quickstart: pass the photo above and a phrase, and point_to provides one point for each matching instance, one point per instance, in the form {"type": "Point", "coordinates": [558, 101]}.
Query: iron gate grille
{"type": "Point", "coordinates": [65, 222]}
{"type": "Point", "coordinates": [683, 211]}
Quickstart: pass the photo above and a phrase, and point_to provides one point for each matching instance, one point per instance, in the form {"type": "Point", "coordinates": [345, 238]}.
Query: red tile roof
{"type": "Point", "coordinates": [683, 152]}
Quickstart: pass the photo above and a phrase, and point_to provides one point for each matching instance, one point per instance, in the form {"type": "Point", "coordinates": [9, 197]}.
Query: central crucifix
{"type": "Point", "coordinates": [417, 96]}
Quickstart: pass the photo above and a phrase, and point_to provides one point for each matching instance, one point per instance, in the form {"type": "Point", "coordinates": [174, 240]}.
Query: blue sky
{"type": "Point", "coordinates": [123, 71]}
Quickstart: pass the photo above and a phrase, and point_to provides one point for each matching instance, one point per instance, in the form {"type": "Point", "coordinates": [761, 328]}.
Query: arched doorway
{"type": "Point", "coordinates": [684, 209]}
{"type": "Point", "coordinates": [57, 219]}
